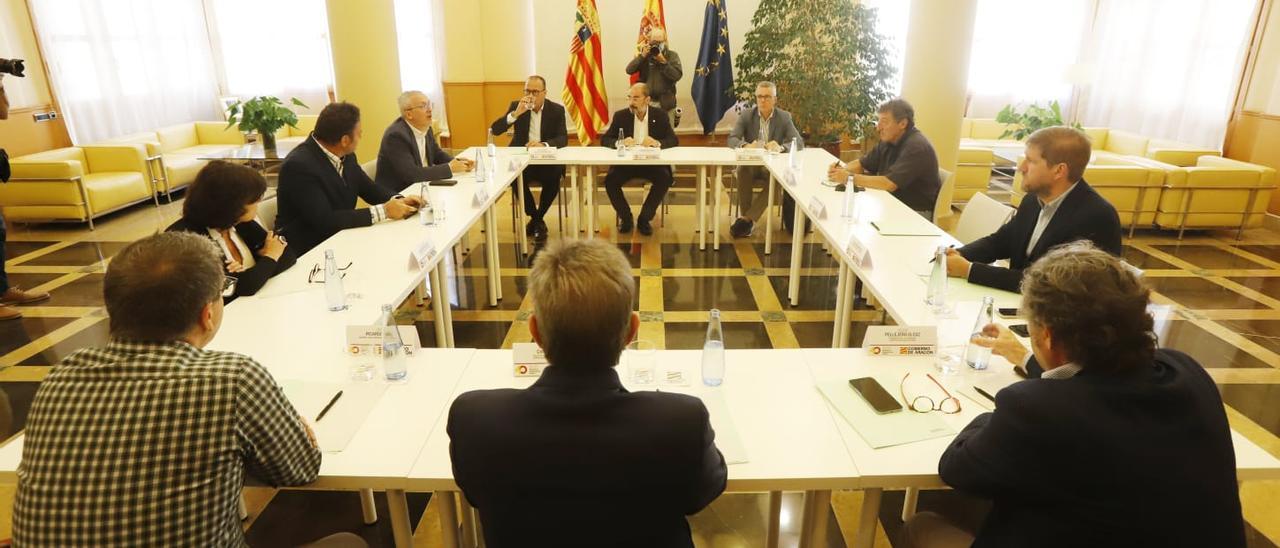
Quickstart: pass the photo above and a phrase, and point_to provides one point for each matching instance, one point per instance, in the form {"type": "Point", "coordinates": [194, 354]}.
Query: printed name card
{"type": "Point", "coordinates": [898, 340]}
{"type": "Point", "coordinates": [422, 254]}
{"type": "Point", "coordinates": [791, 177]}
{"type": "Point", "coordinates": [749, 153]}
{"type": "Point", "coordinates": [645, 153]}
{"type": "Point", "coordinates": [366, 340]}
{"type": "Point", "coordinates": [482, 196]}
{"type": "Point", "coordinates": [817, 208]}
{"type": "Point", "coordinates": [528, 359]}
{"type": "Point", "coordinates": [542, 153]}
{"type": "Point", "coordinates": [513, 165]}
{"type": "Point", "coordinates": [859, 251]}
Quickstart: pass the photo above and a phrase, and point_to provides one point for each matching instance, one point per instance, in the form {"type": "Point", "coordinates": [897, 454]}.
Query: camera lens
{"type": "Point", "coordinates": [12, 66]}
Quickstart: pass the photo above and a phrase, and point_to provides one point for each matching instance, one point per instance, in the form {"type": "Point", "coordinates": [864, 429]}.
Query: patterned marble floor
{"type": "Point", "coordinates": [1226, 295]}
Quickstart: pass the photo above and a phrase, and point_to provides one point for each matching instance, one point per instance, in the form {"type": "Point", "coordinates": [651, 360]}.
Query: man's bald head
{"type": "Point", "coordinates": [657, 35]}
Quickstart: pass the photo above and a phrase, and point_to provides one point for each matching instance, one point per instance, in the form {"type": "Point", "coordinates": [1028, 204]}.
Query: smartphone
{"type": "Point", "coordinates": [1020, 330]}
{"type": "Point", "coordinates": [875, 395]}
{"type": "Point", "coordinates": [444, 182]}
{"type": "Point", "coordinates": [1007, 312]}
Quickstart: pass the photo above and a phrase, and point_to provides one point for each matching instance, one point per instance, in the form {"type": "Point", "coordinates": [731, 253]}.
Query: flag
{"type": "Point", "coordinates": [653, 16]}
{"type": "Point", "coordinates": [583, 94]}
{"type": "Point", "coordinates": [713, 77]}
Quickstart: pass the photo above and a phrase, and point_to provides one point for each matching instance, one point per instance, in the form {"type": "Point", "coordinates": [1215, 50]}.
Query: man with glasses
{"type": "Point", "coordinates": [538, 123]}
{"type": "Point", "coordinates": [764, 126]}
{"type": "Point", "coordinates": [903, 164]}
{"type": "Point", "coordinates": [409, 152]}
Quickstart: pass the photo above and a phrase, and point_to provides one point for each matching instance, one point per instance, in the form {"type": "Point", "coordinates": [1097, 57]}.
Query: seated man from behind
{"type": "Point", "coordinates": [576, 459]}
{"type": "Point", "coordinates": [767, 127]}
{"type": "Point", "coordinates": [321, 179]}
{"type": "Point", "coordinates": [145, 441]}
{"type": "Point", "coordinates": [1060, 207]}
{"type": "Point", "coordinates": [638, 125]}
{"type": "Point", "coordinates": [1116, 443]}
{"type": "Point", "coordinates": [903, 163]}
{"type": "Point", "coordinates": [409, 152]}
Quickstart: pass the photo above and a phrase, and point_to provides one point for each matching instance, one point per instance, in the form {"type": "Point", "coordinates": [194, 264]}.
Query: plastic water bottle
{"type": "Point", "coordinates": [977, 356]}
{"type": "Point", "coordinates": [481, 167]}
{"type": "Point", "coordinates": [333, 291]}
{"type": "Point", "coordinates": [394, 364]}
{"type": "Point", "coordinates": [622, 150]}
{"type": "Point", "coordinates": [493, 153]}
{"type": "Point", "coordinates": [793, 155]}
{"type": "Point", "coordinates": [713, 352]}
{"type": "Point", "coordinates": [427, 214]}
{"type": "Point", "coordinates": [849, 210]}
{"type": "Point", "coordinates": [937, 296]}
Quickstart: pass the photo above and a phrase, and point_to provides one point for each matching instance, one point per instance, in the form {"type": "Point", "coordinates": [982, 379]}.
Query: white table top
{"type": "Point", "coordinates": [601, 156]}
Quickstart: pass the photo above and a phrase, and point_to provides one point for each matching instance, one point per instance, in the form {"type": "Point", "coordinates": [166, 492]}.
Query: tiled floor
{"type": "Point", "coordinates": [1227, 315]}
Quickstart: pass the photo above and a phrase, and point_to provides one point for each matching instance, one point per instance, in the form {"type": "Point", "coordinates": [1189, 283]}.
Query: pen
{"type": "Point", "coordinates": [935, 258]}
{"type": "Point", "coordinates": [984, 394]}
{"type": "Point", "coordinates": [329, 406]}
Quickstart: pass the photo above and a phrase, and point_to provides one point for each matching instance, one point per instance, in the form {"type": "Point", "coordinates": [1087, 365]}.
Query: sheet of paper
{"type": "Point", "coordinates": [885, 430]}
{"type": "Point", "coordinates": [727, 437]}
{"type": "Point", "coordinates": [344, 419]}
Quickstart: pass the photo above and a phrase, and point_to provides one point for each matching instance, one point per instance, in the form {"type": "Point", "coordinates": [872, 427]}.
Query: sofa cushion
{"type": "Point", "coordinates": [177, 137]}
{"type": "Point", "coordinates": [180, 170]}
{"type": "Point", "coordinates": [113, 189]}
{"type": "Point", "coordinates": [1124, 142]}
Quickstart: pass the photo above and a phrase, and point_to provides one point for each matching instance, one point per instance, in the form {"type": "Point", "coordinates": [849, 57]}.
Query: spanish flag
{"type": "Point", "coordinates": [651, 18]}
{"type": "Point", "coordinates": [584, 95]}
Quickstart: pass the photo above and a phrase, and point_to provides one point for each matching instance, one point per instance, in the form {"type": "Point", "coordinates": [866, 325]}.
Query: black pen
{"type": "Point", "coordinates": [330, 406]}
{"type": "Point", "coordinates": [984, 394]}
{"type": "Point", "coordinates": [935, 258]}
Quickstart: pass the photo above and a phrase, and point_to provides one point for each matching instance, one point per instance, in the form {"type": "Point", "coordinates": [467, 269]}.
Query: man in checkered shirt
{"type": "Point", "coordinates": [144, 442]}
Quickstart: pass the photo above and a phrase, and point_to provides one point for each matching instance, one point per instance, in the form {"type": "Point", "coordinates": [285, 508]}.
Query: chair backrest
{"type": "Point", "coordinates": [370, 168]}
{"type": "Point", "coordinates": [267, 212]}
{"type": "Point", "coordinates": [942, 207]}
{"type": "Point", "coordinates": [981, 216]}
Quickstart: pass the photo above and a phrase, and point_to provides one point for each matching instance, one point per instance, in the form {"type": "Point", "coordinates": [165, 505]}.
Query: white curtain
{"type": "Point", "coordinates": [892, 19]}
{"type": "Point", "coordinates": [1166, 68]}
{"type": "Point", "coordinates": [258, 55]}
{"type": "Point", "coordinates": [1019, 59]}
{"type": "Point", "coordinates": [417, 26]}
{"type": "Point", "coordinates": [122, 66]}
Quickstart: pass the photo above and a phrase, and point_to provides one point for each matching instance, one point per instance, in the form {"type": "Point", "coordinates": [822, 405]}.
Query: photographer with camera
{"type": "Point", "coordinates": [660, 69]}
{"type": "Point", "coordinates": [10, 296]}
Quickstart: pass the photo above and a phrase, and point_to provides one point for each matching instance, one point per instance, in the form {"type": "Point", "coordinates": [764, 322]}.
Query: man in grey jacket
{"type": "Point", "coordinates": [765, 126]}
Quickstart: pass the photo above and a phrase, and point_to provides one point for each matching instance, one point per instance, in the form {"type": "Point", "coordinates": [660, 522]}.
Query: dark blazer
{"type": "Point", "coordinates": [254, 235]}
{"type": "Point", "coordinates": [576, 460]}
{"type": "Point", "coordinates": [660, 77]}
{"type": "Point", "coordinates": [400, 165]}
{"type": "Point", "coordinates": [1083, 215]}
{"type": "Point", "coordinates": [1140, 459]}
{"type": "Point", "coordinates": [315, 203]}
{"type": "Point", "coordinates": [782, 129]}
{"type": "Point", "coordinates": [554, 132]}
{"type": "Point", "coordinates": [659, 128]}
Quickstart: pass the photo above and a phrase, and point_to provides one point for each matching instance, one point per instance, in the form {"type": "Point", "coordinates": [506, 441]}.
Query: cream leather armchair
{"type": "Point", "coordinates": [1132, 187]}
{"type": "Point", "coordinates": [1214, 193]}
{"type": "Point", "coordinates": [77, 183]}
{"type": "Point", "coordinates": [973, 171]}
{"type": "Point", "coordinates": [181, 146]}
{"type": "Point", "coordinates": [306, 124]}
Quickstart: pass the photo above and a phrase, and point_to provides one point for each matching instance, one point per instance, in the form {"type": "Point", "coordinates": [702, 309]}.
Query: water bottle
{"type": "Point", "coordinates": [622, 150]}
{"type": "Point", "coordinates": [978, 356]}
{"type": "Point", "coordinates": [793, 155]}
{"type": "Point", "coordinates": [493, 153]}
{"type": "Point", "coordinates": [333, 291]}
{"type": "Point", "coordinates": [713, 352]}
{"type": "Point", "coordinates": [394, 361]}
{"type": "Point", "coordinates": [480, 168]}
{"type": "Point", "coordinates": [849, 210]}
{"type": "Point", "coordinates": [427, 214]}
{"type": "Point", "coordinates": [937, 297]}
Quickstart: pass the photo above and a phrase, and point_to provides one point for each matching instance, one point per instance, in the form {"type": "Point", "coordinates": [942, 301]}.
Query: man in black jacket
{"type": "Point", "coordinates": [638, 125]}
{"type": "Point", "coordinates": [321, 178]}
{"type": "Point", "coordinates": [1060, 207]}
{"type": "Point", "coordinates": [409, 152]}
{"type": "Point", "coordinates": [576, 459]}
{"type": "Point", "coordinates": [1117, 443]}
{"type": "Point", "coordinates": [538, 123]}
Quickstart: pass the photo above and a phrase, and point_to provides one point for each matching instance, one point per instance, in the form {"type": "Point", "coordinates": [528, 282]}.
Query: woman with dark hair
{"type": "Point", "coordinates": [222, 204]}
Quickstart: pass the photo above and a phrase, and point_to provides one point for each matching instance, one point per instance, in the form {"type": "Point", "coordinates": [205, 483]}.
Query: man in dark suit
{"type": "Point", "coordinates": [768, 127]}
{"type": "Point", "coordinates": [409, 152]}
{"type": "Point", "coordinates": [321, 178]}
{"type": "Point", "coordinates": [1060, 207]}
{"type": "Point", "coordinates": [576, 459]}
{"type": "Point", "coordinates": [1117, 443]}
{"type": "Point", "coordinates": [538, 123]}
{"type": "Point", "coordinates": [638, 125]}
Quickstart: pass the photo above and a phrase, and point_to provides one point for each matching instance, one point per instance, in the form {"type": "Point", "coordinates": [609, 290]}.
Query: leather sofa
{"type": "Point", "coordinates": [174, 151]}
{"type": "Point", "coordinates": [306, 124]}
{"type": "Point", "coordinates": [77, 183]}
{"type": "Point", "coordinates": [1134, 188]}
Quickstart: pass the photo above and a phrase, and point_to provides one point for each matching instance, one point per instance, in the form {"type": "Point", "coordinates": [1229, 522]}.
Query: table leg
{"type": "Point", "coordinates": [448, 308]}
{"type": "Point", "coordinates": [437, 308]}
{"type": "Point", "coordinates": [851, 279]}
{"type": "Point", "coordinates": [591, 201]}
{"type": "Point", "coordinates": [490, 246]}
{"type": "Point", "coordinates": [576, 210]}
{"type": "Point", "coordinates": [768, 216]}
{"type": "Point", "coordinates": [448, 510]}
{"type": "Point", "coordinates": [797, 249]}
{"type": "Point", "coordinates": [909, 503]}
{"type": "Point", "coordinates": [841, 319]}
{"type": "Point", "coordinates": [468, 522]}
{"type": "Point", "coordinates": [398, 508]}
{"type": "Point", "coordinates": [519, 228]}
{"type": "Point", "coordinates": [821, 518]}
{"type": "Point", "coordinates": [775, 519]}
{"type": "Point", "coordinates": [700, 208]}
{"type": "Point", "coordinates": [367, 508]}
{"type": "Point", "coordinates": [865, 536]}
{"type": "Point", "coordinates": [243, 508]}
{"type": "Point", "coordinates": [715, 213]}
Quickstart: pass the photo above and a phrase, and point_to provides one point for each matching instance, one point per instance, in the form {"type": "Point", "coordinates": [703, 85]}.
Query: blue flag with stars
{"type": "Point", "coordinates": [713, 79]}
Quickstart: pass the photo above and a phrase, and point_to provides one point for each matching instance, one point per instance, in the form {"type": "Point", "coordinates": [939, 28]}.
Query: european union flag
{"type": "Point", "coordinates": [713, 79]}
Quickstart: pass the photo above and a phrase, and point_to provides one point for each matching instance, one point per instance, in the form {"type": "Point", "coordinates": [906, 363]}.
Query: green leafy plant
{"type": "Point", "coordinates": [265, 115]}
{"type": "Point", "coordinates": [1022, 124]}
{"type": "Point", "coordinates": [831, 68]}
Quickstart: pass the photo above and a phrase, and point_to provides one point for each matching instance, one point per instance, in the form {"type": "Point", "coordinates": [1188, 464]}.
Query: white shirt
{"type": "Point", "coordinates": [1064, 371]}
{"type": "Point", "coordinates": [641, 130]}
{"type": "Point", "coordinates": [246, 256]}
{"type": "Point", "coordinates": [376, 213]}
{"type": "Point", "coordinates": [535, 124]}
{"type": "Point", "coordinates": [1046, 214]}
{"type": "Point", "coordinates": [764, 128]}
{"type": "Point", "coordinates": [420, 137]}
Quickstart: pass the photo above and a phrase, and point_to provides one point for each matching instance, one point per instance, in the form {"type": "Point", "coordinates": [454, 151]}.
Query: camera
{"type": "Point", "coordinates": [12, 66]}
{"type": "Point", "coordinates": [654, 50]}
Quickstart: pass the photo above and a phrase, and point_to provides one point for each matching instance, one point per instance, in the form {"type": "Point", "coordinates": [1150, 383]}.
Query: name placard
{"type": "Point", "coordinates": [645, 153]}
{"type": "Point", "coordinates": [420, 256]}
{"type": "Point", "coordinates": [528, 359]}
{"type": "Point", "coordinates": [513, 165]}
{"type": "Point", "coordinates": [481, 198]}
{"type": "Point", "coordinates": [859, 251]}
{"type": "Point", "coordinates": [898, 340]}
{"type": "Point", "coordinates": [366, 340]}
{"type": "Point", "coordinates": [790, 177]}
{"type": "Point", "coordinates": [749, 153]}
{"type": "Point", "coordinates": [542, 153]}
{"type": "Point", "coordinates": [817, 208]}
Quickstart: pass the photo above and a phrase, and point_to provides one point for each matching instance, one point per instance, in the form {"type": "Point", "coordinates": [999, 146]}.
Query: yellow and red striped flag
{"type": "Point", "coordinates": [584, 95]}
{"type": "Point", "coordinates": [653, 16]}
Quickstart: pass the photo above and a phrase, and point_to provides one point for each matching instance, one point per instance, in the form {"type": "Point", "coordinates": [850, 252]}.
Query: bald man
{"type": "Point", "coordinates": [640, 124]}
{"type": "Point", "coordinates": [409, 152]}
{"type": "Point", "coordinates": [659, 67]}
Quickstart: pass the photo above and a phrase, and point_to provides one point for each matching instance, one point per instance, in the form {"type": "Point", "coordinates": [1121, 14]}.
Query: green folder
{"type": "Point", "coordinates": [879, 430]}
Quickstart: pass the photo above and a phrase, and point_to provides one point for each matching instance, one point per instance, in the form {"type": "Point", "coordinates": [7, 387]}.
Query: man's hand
{"type": "Point", "coordinates": [460, 165]}
{"type": "Point", "coordinates": [414, 201]}
{"type": "Point", "coordinates": [957, 265]}
{"type": "Point", "coordinates": [523, 105]}
{"type": "Point", "coordinates": [773, 146]}
{"type": "Point", "coordinates": [837, 173]}
{"type": "Point", "coordinates": [234, 266]}
{"type": "Point", "coordinates": [628, 142]}
{"type": "Point", "coordinates": [273, 247]}
{"type": "Point", "coordinates": [660, 58]}
{"type": "Point", "coordinates": [651, 142]}
{"type": "Point", "coordinates": [311, 434]}
{"type": "Point", "coordinates": [536, 144]}
{"type": "Point", "coordinates": [399, 208]}
{"type": "Point", "coordinates": [1002, 342]}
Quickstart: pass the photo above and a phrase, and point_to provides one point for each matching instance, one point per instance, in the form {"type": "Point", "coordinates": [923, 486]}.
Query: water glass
{"type": "Point", "coordinates": [642, 361]}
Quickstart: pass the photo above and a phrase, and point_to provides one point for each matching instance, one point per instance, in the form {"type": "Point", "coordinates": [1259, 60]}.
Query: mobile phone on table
{"type": "Point", "coordinates": [1007, 312]}
{"type": "Point", "coordinates": [875, 395]}
{"type": "Point", "coordinates": [1020, 330]}
{"type": "Point", "coordinates": [444, 182]}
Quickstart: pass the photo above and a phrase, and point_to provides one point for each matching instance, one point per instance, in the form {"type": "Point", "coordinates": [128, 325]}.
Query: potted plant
{"type": "Point", "coordinates": [265, 115]}
{"type": "Point", "coordinates": [1021, 124]}
{"type": "Point", "coordinates": [831, 67]}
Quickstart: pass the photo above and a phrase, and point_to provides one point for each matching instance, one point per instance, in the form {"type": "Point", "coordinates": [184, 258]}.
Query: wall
{"type": "Point", "coordinates": [21, 134]}
{"type": "Point", "coordinates": [1254, 133]}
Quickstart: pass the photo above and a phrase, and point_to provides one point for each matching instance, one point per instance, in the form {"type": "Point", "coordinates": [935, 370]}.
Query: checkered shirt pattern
{"type": "Point", "coordinates": [146, 444]}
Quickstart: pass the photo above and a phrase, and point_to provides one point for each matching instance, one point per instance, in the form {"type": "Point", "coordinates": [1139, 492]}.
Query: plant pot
{"type": "Point", "coordinates": [268, 143]}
